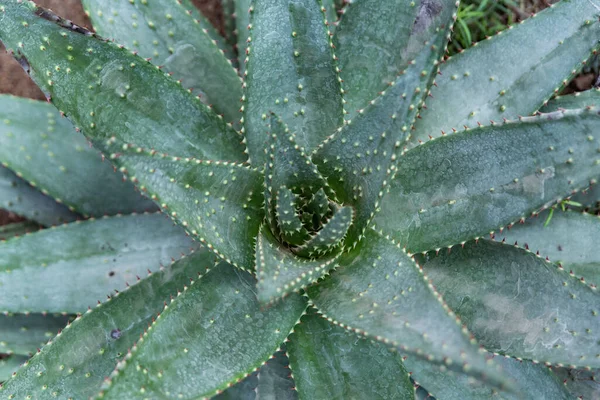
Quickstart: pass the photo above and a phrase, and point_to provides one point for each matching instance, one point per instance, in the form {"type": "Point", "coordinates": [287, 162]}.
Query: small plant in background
{"type": "Point", "coordinates": [358, 215]}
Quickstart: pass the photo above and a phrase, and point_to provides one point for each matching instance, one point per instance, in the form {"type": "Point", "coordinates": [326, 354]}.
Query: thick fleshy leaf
{"type": "Point", "coordinates": [242, 23]}
{"type": "Point", "coordinates": [531, 381]}
{"type": "Point", "coordinates": [495, 79]}
{"type": "Point", "coordinates": [229, 27]}
{"type": "Point", "coordinates": [329, 362]}
{"type": "Point", "coordinates": [229, 336]}
{"type": "Point", "coordinates": [330, 237]}
{"type": "Point", "coordinates": [359, 159]}
{"type": "Point", "coordinates": [17, 229]}
{"type": "Point", "coordinates": [377, 40]}
{"type": "Point", "coordinates": [330, 13]}
{"type": "Point", "coordinates": [581, 384]}
{"type": "Point", "coordinates": [77, 361]}
{"type": "Point", "coordinates": [381, 293]}
{"type": "Point", "coordinates": [218, 203]}
{"type": "Point", "coordinates": [280, 272]}
{"type": "Point", "coordinates": [471, 183]}
{"type": "Point", "coordinates": [19, 197]}
{"type": "Point", "coordinates": [44, 149]}
{"type": "Point", "coordinates": [567, 238]}
{"type": "Point", "coordinates": [72, 267]}
{"type": "Point", "coordinates": [24, 334]}
{"type": "Point", "coordinates": [120, 95]}
{"type": "Point", "coordinates": [8, 365]}
{"type": "Point", "coordinates": [518, 304]}
{"type": "Point", "coordinates": [272, 382]}
{"type": "Point", "coordinates": [573, 101]}
{"type": "Point", "coordinates": [290, 71]}
{"type": "Point", "coordinates": [177, 37]}
{"type": "Point", "coordinates": [290, 227]}
{"type": "Point", "coordinates": [318, 205]}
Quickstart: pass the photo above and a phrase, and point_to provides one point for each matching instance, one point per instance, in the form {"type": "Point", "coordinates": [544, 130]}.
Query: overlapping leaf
{"type": "Point", "coordinates": [44, 149]}
{"type": "Point", "coordinates": [568, 238]}
{"type": "Point", "coordinates": [380, 292]}
{"type": "Point", "coordinates": [510, 74]}
{"type": "Point", "coordinates": [518, 304]}
{"type": "Point", "coordinates": [229, 336]}
{"type": "Point", "coordinates": [330, 362]}
{"type": "Point", "coordinates": [24, 334]}
{"type": "Point", "coordinates": [290, 71]}
{"type": "Point", "coordinates": [70, 268]}
{"type": "Point", "coordinates": [467, 185]}
{"type": "Point", "coordinates": [77, 361]}
{"type": "Point", "coordinates": [174, 35]}
{"type": "Point", "coordinates": [377, 40]}
{"type": "Point", "coordinates": [19, 197]}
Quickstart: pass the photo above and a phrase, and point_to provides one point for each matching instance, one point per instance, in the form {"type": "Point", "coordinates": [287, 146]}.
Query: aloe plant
{"type": "Point", "coordinates": [359, 216]}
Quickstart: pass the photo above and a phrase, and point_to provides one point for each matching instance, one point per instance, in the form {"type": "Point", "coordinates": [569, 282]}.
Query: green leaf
{"type": "Point", "coordinates": [493, 80]}
{"type": "Point", "coordinates": [65, 166]}
{"type": "Point", "coordinates": [517, 304]}
{"type": "Point", "coordinates": [318, 205]}
{"type": "Point", "coordinates": [330, 14]}
{"type": "Point", "coordinates": [17, 229]}
{"type": "Point", "coordinates": [77, 361]}
{"type": "Point", "coordinates": [275, 379]}
{"type": "Point", "coordinates": [10, 364]}
{"type": "Point", "coordinates": [377, 40]}
{"type": "Point", "coordinates": [25, 333]}
{"type": "Point", "coordinates": [382, 294]}
{"type": "Point", "coordinates": [580, 383]}
{"type": "Point", "coordinates": [290, 71]}
{"type": "Point", "coordinates": [229, 336]}
{"type": "Point", "coordinates": [229, 26]}
{"type": "Point", "coordinates": [291, 228]}
{"type": "Point", "coordinates": [532, 381]}
{"type": "Point", "coordinates": [19, 197]}
{"type": "Point", "coordinates": [272, 381]}
{"type": "Point", "coordinates": [177, 37]}
{"type": "Point", "coordinates": [570, 239]}
{"type": "Point", "coordinates": [72, 267]}
{"type": "Point", "coordinates": [242, 22]}
{"type": "Point", "coordinates": [218, 203]}
{"type": "Point", "coordinates": [588, 198]}
{"type": "Point", "coordinates": [120, 95]}
{"type": "Point", "coordinates": [329, 362]}
{"type": "Point", "coordinates": [280, 272]}
{"type": "Point", "coordinates": [513, 169]}
{"type": "Point", "coordinates": [577, 100]}
{"type": "Point", "coordinates": [330, 236]}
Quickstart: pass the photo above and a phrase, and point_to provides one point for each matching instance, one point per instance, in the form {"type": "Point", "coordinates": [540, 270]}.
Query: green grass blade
{"type": "Point", "coordinates": [72, 267]}
{"type": "Point", "coordinates": [514, 169]}
{"type": "Point", "coordinates": [44, 149]}
{"type": "Point", "coordinates": [570, 239]}
{"type": "Point", "coordinates": [382, 294]}
{"type": "Point", "coordinates": [378, 39]}
{"type": "Point", "coordinates": [77, 361]}
{"type": "Point", "coordinates": [19, 197]}
{"type": "Point", "coordinates": [121, 95]}
{"type": "Point", "coordinates": [329, 362]}
{"type": "Point", "coordinates": [491, 81]}
{"type": "Point", "coordinates": [281, 272]}
{"type": "Point", "coordinates": [290, 71]}
{"type": "Point", "coordinates": [164, 363]}
{"type": "Point", "coordinates": [177, 37]}
{"type": "Point", "coordinates": [25, 334]}
{"type": "Point", "coordinates": [518, 304]}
